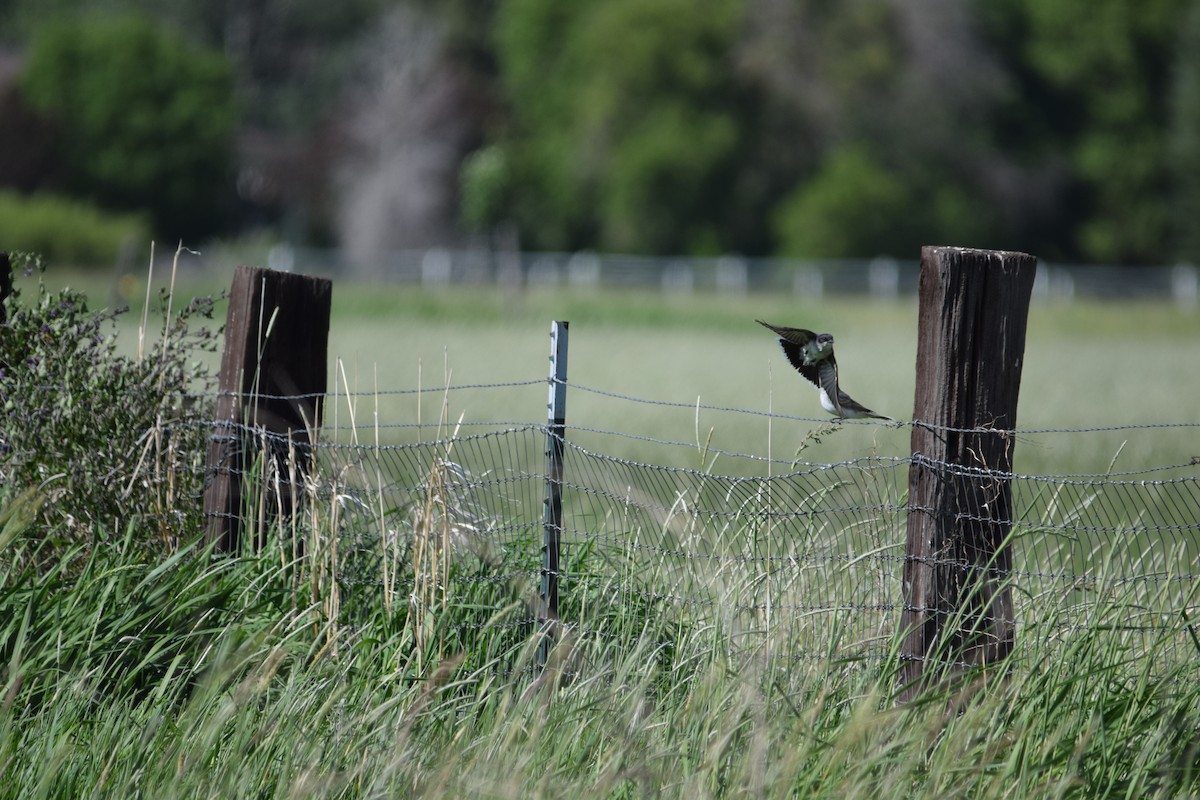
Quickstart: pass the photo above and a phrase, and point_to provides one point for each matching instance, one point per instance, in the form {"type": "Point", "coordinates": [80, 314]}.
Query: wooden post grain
{"type": "Point", "coordinates": [957, 604]}
{"type": "Point", "coordinates": [5, 284]}
{"type": "Point", "coordinates": [271, 393]}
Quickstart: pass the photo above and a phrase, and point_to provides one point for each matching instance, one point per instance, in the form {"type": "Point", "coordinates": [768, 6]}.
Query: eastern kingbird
{"type": "Point", "coordinates": [812, 355]}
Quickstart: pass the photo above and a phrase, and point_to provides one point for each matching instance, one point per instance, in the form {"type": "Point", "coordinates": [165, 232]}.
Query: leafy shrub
{"type": "Point", "coordinates": [852, 207]}
{"type": "Point", "coordinates": [105, 436]}
{"type": "Point", "coordinates": [67, 231]}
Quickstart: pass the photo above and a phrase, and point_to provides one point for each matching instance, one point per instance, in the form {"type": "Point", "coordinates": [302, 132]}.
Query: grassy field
{"type": "Point", "coordinates": [260, 675]}
{"type": "Point", "coordinates": [195, 677]}
{"type": "Point", "coordinates": [1087, 364]}
{"type": "Point", "coordinates": [708, 349]}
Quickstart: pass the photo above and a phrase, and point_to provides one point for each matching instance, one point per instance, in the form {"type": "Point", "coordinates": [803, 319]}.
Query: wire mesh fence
{"type": "Point", "coordinates": [802, 560]}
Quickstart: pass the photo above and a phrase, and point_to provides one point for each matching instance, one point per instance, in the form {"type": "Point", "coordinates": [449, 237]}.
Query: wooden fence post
{"type": "Point", "coordinates": [971, 343]}
{"type": "Point", "coordinates": [271, 394]}
{"type": "Point", "coordinates": [5, 284]}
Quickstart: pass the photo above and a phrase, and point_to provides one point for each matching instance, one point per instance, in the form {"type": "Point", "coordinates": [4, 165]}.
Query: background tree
{"type": "Point", "coordinates": [736, 129]}
{"type": "Point", "coordinates": [1184, 144]}
{"type": "Point", "coordinates": [1099, 74]}
{"type": "Point", "coordinates": [890, 103]}
{"type": "Point", "coordinates": [406, 126]}
{"type": "Point", "coordinates": [662, 126]}
{"type": "Point", "coordinates": [144, 118]}
{"type": "Point", "coordinates": [625, 122]}
{"type": "Point", "coordinates": [852, 205]}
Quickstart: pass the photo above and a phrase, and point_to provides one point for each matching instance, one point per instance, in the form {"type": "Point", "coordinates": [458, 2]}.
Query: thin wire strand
{"type": "Point", "coordinates": [819, 544]}
{"type": "Point", "coordinates": [894, 424]}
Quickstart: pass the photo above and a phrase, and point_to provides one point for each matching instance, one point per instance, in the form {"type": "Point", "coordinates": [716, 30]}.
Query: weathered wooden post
{"type": "Point", "coordinates": [271, 392]}
{"type": "Point", "coordinates": [5, 284]}
{"type": "Point", "coordinates": [957, 604]}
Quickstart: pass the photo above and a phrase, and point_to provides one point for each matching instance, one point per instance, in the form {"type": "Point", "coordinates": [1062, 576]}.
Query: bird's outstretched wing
{"type": "Point", "coordinates": [827, 382]}
{"type": "Point", "coordinates": [843, 404]}
{"type": "Point", "coordinates": [796, 336]}
{"type": "Point", "coordinates": [793, 341]}
{"type": "Point", "coordinates": [811, 371]}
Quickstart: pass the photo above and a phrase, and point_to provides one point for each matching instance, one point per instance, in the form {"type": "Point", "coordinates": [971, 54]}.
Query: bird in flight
{"type": "Point", "coordinates": [812, 356]}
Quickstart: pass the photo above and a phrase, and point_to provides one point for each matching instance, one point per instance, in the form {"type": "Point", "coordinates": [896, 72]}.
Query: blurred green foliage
{"type": "Point", "coordinates": [484, 187]}
{"type": "Point", "coordinates": [851, 203]}
{"type": "Point", "coordinates": [1111, 63]}
{"type": "Point", "coordinates": [145, 118]}
{"type": "Point", "coordinates": [68, 231]}
{"type": "Point", "coordinates": [799, 127]}
{"type": "Point", "coordinates": [824, 130]}
{"type": "Point", "coordinates": [624, 121]}
{"type": "Point", "coordinates": [1184, 145]}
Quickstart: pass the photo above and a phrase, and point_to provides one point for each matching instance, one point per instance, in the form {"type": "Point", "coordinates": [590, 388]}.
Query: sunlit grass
{"type": "Point", "coordinates": [201, 677]}
{"type": "Point", "coordinates": [1088, 364]}
{"type": "Point", "coordinates": [261, 674]}
{"type": "Point", "coordinates": [1082, 369]}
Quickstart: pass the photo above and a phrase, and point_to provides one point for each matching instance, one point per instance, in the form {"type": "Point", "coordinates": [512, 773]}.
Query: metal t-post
{"type": "Point", "coordinates": [552, 513]}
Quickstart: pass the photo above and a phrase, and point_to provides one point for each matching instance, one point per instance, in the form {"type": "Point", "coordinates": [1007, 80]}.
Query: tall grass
{"type": "Point", "coordinates": [198, 676]}
{"type": "Point", "coordinates": [182, 673]}
{"type": "Point", "coordinates": [245, 675]}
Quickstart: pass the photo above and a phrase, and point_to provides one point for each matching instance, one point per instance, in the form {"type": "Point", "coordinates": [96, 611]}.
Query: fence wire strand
{"type": "Point", "coordinates": [809, 559]}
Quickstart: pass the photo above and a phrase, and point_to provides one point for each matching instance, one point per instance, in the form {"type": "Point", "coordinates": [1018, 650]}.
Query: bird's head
{"type": "Point", "coordinates": [820, 347]}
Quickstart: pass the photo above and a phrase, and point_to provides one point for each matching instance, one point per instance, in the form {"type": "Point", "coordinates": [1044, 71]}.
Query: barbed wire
{"type": "Point", "coordinates": [1074, 478]}
{"type": "Point", "coordinates": [340, 394]}
{"type": "Point", "coordinates": [872, 422]}
{"type": "Point", "coordinates": [1080, 478]}
{"type": "Point", "coordinates": [815, 551]}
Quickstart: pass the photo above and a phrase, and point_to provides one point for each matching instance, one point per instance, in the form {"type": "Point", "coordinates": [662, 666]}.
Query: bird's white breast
{"type": "Point", "coordinates": [827, 403]}
{"type": "Point", "coordinates": [843, 412]}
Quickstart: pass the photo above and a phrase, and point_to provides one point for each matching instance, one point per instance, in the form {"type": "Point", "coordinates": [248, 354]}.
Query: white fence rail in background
{"type": "Point", "coordinates": [878, 277]}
